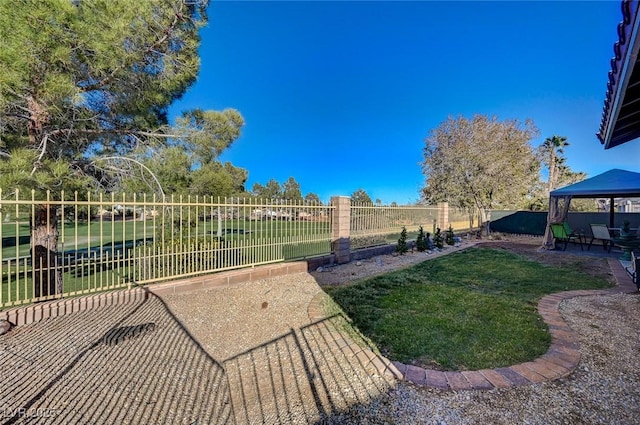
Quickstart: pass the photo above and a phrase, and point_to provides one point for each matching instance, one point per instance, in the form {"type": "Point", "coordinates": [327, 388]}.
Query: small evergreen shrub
{"type": "Point", "coordinates": [449, 237]}
{"type": "Point", "coordinates": [421, 240]}
{"type": "Point", "coordinates": [402, 247]}
{"type": "Point", "coordinates": [438, 239]}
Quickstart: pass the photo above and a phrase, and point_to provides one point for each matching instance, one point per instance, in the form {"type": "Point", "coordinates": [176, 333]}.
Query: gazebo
{"type": "Point", "coordinates": [611, 184]}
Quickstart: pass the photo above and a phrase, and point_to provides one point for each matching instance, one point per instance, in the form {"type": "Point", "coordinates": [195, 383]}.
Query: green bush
{"type": "Point", "coordinates": [438, 240]}
{"type": "Point", "coordinates": [358, 242]}
{"type": "Point", "coordinates": [402, 247]}
{"type": "Point", "coordinates": [449, 237]}
{"type": "Point", "coordinates": [422, 240]}
{"type": "Point", "coordinates": [188, 256]}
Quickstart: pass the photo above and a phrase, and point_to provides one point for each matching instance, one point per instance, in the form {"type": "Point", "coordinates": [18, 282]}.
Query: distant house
{"type": "Point", "coordinates": [623, 205]}
{"type": "Point", "coordinates": [621, 113]}
{"type": "Point", "coordinates": [631, 205]}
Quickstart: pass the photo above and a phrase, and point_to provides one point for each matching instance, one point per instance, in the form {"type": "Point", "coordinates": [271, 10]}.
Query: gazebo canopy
{"type": "Point", "coordinates": [611, 184]}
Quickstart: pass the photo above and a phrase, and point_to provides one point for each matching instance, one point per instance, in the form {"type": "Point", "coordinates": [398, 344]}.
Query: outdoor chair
{"type": "Point", "coordinates": [601, 232]}
{"type": "Point", "coordinates": [633, 269]}
{"type": "Point", "coordinates": [562, 232]}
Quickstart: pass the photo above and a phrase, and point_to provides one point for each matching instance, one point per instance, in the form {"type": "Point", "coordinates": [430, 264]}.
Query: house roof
{"type": "Point", "coordinates": [621, 113]}
{"type": "Point", "coordinates": [611, 184]}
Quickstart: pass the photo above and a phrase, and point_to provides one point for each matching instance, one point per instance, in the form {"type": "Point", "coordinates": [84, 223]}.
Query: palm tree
{"type": "Point", "coordinates": [551, 152]}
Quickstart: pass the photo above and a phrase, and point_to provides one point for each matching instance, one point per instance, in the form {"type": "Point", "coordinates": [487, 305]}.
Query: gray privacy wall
{"type": "Point", "coordinates": [534, 222]}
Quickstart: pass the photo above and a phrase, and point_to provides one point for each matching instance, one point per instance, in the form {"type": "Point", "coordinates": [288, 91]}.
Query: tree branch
{"type": "Point", "coordinates": [43, 150]}
{"type": "Point", "coordinates": [140, 164]}
{"type": "Point", "coordinates": [167, 32]}
{"type": "Point", "coordinates": [69, 131]}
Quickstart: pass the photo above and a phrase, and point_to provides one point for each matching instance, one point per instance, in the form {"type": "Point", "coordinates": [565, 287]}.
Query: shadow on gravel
{"type": "Point", "coordinates": [136, 363]}
{"type": "Point", "coordinates": [305, 376]}
{"type": "Point", "coordinates": [127, 364]}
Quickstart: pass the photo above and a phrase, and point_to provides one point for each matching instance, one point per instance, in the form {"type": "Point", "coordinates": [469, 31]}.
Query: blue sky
{"type": "Point", "coordinates": [340, 95]}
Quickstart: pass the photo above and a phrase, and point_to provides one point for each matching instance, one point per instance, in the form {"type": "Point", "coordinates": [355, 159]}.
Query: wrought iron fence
{"type": "Point", "coordinates": [62, 245]}
{"type": "Point", "coordinates": [377, 224]}
{"type": "Point", "coordinates": [463, 220]}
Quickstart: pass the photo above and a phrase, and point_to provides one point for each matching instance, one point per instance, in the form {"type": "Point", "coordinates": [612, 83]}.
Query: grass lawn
{"type": "Point", "coordinates": [96, 233]}
{"type": "Point", "coordinates": [469, 310]}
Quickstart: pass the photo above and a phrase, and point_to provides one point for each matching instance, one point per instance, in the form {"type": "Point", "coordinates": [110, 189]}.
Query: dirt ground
{"type": "Point", "coordinates": [530, 248]}
{"type": "Point", "coordinates": [594, 264]}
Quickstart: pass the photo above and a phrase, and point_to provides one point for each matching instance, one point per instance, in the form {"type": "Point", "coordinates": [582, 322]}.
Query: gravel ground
{"type": "Point", "coordinates": [249, 354]}
{"type": "Point", "coordinates": [356, 270]}
{"type": "Point", "coordinates": [603, 390]}
{"type": "Point", "coordinates": [280, 367]}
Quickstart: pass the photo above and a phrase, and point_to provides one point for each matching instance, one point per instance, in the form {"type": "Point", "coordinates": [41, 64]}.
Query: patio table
{"type": "Point", "coordinates": [627, 243]}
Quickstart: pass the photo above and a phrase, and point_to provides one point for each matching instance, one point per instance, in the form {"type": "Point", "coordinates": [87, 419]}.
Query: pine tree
{"type": "Point", "coordinates": [402, 247]}
{"type": "Point", "coordinates": [438, 240]}
{"type": "Point", "coordinates": [449, 237]}
{"type": "Point", "coordinates": [81, 80]}
{"type": "Point", "coordinates": [421, 241]}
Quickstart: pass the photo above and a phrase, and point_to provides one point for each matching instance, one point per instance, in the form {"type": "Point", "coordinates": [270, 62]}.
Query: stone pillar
{"type": "Point", "coordinates": [443, 215]}
{"type": "Point", "coordinates": [340, 231]}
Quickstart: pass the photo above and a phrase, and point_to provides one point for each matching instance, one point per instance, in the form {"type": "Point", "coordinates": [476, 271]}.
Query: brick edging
{"type": "Point", "coordinates": [560, 360]}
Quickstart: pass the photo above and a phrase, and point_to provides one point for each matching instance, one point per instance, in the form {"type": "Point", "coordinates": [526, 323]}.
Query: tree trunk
{"type": "Point", "coordinates": [47, 276]}
{"type": "Point", "coordinates": [552, 170]}
{"type": "Point", "coordinates": [485, 216]}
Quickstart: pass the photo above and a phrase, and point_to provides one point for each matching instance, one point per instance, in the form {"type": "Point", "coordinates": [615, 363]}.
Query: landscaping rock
{"type": "Point", "coordinates": [5, 326]}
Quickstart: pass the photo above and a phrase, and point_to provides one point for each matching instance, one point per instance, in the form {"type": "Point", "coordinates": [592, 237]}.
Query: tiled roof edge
{"type": "Point", "coordinates": [620, 48]}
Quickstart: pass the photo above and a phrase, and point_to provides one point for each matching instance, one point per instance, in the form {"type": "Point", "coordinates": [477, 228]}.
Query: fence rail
{"type": "Point", "coordinates": [376, 224]}
{"type": "Point", "coordinates": [93, 243]}
{"type": "Point", "coordinates": [63, 244]}
{"type": "Point", "coordinates": [463, 220]}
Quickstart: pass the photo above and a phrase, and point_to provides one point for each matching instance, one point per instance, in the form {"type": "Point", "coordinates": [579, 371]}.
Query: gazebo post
{"type": "Point", "coordinates": [611, 212]}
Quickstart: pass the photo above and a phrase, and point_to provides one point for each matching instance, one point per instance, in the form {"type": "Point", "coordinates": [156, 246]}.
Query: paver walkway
{"type": "Point", "coordinates": [560, 360]}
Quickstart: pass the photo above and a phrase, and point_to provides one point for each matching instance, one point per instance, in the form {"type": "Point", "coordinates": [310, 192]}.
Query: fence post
{"type": "Point", "coordinates": [443, 215]}
{"type": "Point", "coordinates": [340, 230]}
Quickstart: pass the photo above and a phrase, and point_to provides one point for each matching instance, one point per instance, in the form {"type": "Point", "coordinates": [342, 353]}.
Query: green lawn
{"type": "Point", "coordinates": [97, 233]}
{"type": "Point", "coordinates": [469, 310]}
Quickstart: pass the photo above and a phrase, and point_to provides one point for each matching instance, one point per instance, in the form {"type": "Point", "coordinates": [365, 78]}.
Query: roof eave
{"type": "Point", "coordinates": [622, 65]}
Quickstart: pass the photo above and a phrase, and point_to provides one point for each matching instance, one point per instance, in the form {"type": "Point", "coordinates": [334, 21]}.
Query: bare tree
{"type": "Point", "coordinates": [480, 162]}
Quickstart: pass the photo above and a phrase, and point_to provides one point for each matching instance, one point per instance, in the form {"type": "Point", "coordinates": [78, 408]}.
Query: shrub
{"type": "Point", "coordinates": [422, 240]}
{"type": "Point", "coordinates": [358, 242]}
{"type": "Point", "coordinates": [402, 247]}
{"type": "Point", "coordinates": [449, 237]}
{"type": "Point", "coordinates": [438, 240]}
{"type": "Point", "coordinates": [183, 256]}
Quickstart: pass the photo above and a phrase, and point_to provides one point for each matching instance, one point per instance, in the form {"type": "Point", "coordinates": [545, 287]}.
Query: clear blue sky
{"type": "Point", "coordinates": [340, 95]}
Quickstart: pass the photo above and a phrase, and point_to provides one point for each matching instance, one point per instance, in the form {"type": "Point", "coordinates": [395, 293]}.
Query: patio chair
{"type": "Point", "coordinates": [601, 232]}
{"type": "Point", "coordinates": [562, 232]}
